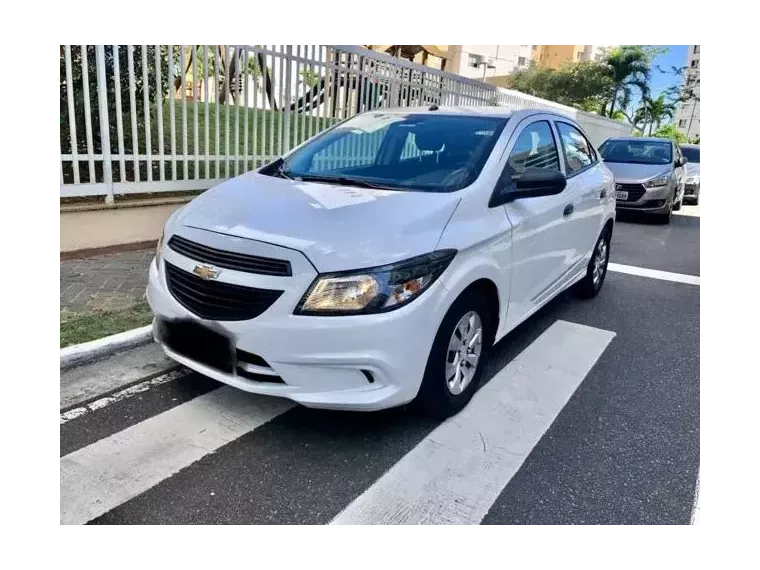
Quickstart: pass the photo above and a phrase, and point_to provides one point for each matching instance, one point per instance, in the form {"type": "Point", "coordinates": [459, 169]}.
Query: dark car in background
{"type": "Point", "coordinates": [649, 174]}
{"type": "Point", "coordinates": [691, 192]}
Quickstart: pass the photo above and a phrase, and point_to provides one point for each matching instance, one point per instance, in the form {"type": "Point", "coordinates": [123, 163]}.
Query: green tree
{"type": "Point", "coordinates": [653, 112]}
{"type": "Point", "coordinates": [670, 132]}
{"type": "Point", "coordinates": [310, 78]}
{"type": "Point", "coordinates": [629, 69]}
{"type": "Point", "coordinates": [582, 85]}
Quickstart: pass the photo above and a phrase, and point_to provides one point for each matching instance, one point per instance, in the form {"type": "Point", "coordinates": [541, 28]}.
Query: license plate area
{"type": "Point", "coordinates": [199, 343]}
{"type": "Point", "coordinates": [621, 195]}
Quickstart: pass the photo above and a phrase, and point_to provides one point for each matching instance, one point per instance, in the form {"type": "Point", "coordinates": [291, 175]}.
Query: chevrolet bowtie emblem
{"type": "Point", "coordinates": [206, 271]}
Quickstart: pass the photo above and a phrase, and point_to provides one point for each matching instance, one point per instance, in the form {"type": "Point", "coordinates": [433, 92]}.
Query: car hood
{"type": "Point", "coordinates": [692, 168]}
{"type": "Point", "coordinates": [336, 227]}
{"type": "Point", "coordinates": [634, 173]}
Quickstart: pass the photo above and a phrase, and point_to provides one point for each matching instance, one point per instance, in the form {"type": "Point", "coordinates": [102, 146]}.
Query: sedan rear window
{"type": "Point", "coordinates": [637, 152]}
{"type": "Point", "coordinates": [423, 152]}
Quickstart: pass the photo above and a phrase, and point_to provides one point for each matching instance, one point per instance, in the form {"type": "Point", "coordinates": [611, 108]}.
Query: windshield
{"type": "Point", "coordinates": [637, 152]}
{"type": "Point", "coordinates": [691, 153]}
{"type": "Point", "coordinates": [423, 152]}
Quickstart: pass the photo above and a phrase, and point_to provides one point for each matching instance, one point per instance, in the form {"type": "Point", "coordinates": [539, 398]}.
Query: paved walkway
{"type": "Point", "coordinates": [104, 282]}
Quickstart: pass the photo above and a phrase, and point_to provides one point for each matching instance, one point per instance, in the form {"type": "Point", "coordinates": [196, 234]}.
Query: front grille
{"type": "Point", "coordinates": [229, 259]}
{"type": "Point", "coordinates": [217, 301]}
{"type": "Point", "coordinates": [635, 191]}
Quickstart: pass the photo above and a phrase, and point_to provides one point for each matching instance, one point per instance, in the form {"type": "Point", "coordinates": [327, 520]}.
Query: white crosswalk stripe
{"type": "Point", "coordinates": [107, 473]}
{"type": "Point", "coordinates": [456, 473]}
{"type": "Point", "coordinates": [453, 476]}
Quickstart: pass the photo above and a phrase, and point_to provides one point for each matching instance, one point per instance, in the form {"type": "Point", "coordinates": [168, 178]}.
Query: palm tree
{"type": "Point", "coordinates": [658, 110]}
{"type": "Point", "coordinates": [629, 68]}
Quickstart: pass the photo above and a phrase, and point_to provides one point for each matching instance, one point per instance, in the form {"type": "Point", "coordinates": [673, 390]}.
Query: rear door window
{"type": "Point", "coordinates": [579, 153]}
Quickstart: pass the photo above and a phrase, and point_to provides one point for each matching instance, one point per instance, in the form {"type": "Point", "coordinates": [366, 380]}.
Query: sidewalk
{"type": "Point", "coordinates": [105, 282]}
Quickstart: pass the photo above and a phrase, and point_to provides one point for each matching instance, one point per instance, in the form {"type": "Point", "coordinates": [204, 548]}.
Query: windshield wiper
{"type": "Point", "coordinates": [343, 180]}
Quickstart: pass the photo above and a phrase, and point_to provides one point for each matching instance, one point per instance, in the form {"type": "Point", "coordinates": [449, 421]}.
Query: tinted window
{"type": "Point", "coordinates": [427, 152]}
{"type": "Point", "coordinates": [534, 148]}
{"type": "Point", "coordinates": [578, 152]}
{"type": "Point", "coordinates": [637, 151]}
{"type": "Point", "coordinates": [691, 153]}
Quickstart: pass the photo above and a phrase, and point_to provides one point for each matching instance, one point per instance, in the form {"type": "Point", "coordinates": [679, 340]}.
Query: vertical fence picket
{"type": "Point", "coordinates": [72, 114]}
{"type": "Point", "coordinates": [206, 116]}
{"type": "Point", "coordinates": [245, 109]}
{"type": "Point", "coordinates": [146, 112]}
{"type": "Point", "coordinates": [183, 99]}
{"type": "Point", "coordinates": [236, 78]}
{"type": "Point", "coordinates": [105, 134]}
{"type": "Point", "coordinates": [270, 94]}
{"type": "Point", "coordinates": [217, 56]}
{"type": "Point", "coordinates": [226, 111]}
{"type": "Point", "coordinates": [133, 113]}
{"type": "Point", "coordinates": [87, 115]}
{"type": "Point", "coordinates": [160, 116]}
{"type": "Point", "coordinates": [196, 150]}
{"type": "Point", "coordinates": [285, 101]}
{"type": "Point", "coordinates": [119, 121]}
{"type": "Point", "coordinates": [255, 143]}
{"type": "Point", "coordinates": [172, 118]}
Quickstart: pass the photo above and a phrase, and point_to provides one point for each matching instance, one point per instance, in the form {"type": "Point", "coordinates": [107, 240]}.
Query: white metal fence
{"type": "Point", "coordinates": [164, 118]}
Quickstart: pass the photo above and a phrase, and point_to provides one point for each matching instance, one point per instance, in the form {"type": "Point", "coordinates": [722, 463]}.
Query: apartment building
{"type": "Point", "coordinates": [687, 113]}
{"type": "Point", "coordinates": [555, 57]}
{"type": "Point", "coordinates": [476, 59]}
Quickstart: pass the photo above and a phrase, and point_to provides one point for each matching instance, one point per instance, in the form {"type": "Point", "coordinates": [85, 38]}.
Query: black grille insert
{"type": "Point", "coordinates": [217, 301]}
{"type": "Point", "coordinates": [635, 191]}
{"type": "Point", "coordinates": [230, 259]}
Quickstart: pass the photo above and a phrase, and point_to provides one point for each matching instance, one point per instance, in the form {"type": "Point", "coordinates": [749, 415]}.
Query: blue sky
{"type": "Point", "coordinates": [675, 56]}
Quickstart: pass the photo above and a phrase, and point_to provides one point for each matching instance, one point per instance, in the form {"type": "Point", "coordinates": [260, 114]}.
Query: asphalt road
{"type": "Point", "coordinates": [621, 448]}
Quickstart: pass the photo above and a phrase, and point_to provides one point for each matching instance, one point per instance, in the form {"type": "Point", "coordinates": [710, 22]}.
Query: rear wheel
{"type": "Point", "coordinates": [596, 270]}
{"type": "Point", "coordinates": [457, 357]}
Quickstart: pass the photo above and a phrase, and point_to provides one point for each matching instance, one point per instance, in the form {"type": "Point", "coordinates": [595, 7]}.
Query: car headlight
{"type": "Point", "coordinates": [159, 247]}
{"type": "Point", "coordinates": [375, 290]}
{"type": "Point", "coordinates": [658, 181]}
{"type": "Point", "coordinates": [693, 179]}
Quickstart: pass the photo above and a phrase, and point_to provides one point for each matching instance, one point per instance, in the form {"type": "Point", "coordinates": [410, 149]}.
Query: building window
{"type": "Point", "coordinates": [682, 123]}
{"type": "Point", "coordinates": [473, 60]}
{"type": "Point", "coordinates": [581, 56]}
{"type": "Point", "coordinates": [695, 63]}
{"type": "Point", "coordinates": [520, 61]}
{"type": "Point", "coordinates": [696, 49]}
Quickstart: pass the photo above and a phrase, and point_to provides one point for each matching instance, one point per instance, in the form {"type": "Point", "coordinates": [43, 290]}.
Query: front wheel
{"type": "Point", "coordinates": [596, 270]}
{"type": "Point", "coordinates": [457, 358]}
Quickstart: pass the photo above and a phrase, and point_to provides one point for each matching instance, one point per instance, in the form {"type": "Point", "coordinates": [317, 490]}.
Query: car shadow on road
{"type": "Point", "coordinates": [649, 220]}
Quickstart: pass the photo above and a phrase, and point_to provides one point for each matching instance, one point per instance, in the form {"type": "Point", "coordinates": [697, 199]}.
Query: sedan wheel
{"type": "Point", "coordinates": [458, 355]}
{"type": "Point", "coordinates": [463, 355]}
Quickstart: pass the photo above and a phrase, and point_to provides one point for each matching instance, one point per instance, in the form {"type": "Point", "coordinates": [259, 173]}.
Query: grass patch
{"type": "Point", "coordinates": [76, 328]}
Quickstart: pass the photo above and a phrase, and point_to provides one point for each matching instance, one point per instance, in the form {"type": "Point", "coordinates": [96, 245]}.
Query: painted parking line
{"type": "Point", "coordinates": [654, 273]}
{"type": "Point", "coordinates": [101, 476]}
{"type": "Point", "coordinates": [698, 511]}
{"type": "Point", "coordinates": [457, 472]}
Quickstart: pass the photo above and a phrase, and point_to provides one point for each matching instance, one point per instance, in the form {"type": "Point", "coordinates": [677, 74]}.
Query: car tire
{"type": "Point", "coordinates": [596, 270]}
{"type": "Point", "coordinates": [446, 389]}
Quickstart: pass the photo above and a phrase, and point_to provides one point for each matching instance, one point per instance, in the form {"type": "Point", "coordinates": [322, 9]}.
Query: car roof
{"type": "Point", "coordinates": [644, 139]}
{"type": "Point", "coordinates": [486, 111]}
{"type": "Point", "coordinates": [689, 146]}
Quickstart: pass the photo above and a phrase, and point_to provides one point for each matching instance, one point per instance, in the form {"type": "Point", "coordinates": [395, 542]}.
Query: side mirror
{"type": "Point", "coordinates": [682, 161]}
{"type": "Point", "coordinates": [532, 183]}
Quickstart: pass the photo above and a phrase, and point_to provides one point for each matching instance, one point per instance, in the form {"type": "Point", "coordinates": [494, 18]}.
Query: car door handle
{"type": "Point", "coordinates": [568, 210]}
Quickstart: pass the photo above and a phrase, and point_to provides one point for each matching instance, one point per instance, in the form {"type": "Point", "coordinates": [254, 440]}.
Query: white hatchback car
{"type": "Point", "coordinates": [377, 263]}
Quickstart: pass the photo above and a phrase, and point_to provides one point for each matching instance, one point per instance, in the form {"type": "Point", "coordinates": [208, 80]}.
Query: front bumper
{"type": "Point", "coordinates": [651, 200]}
{"type": "Point", "coordinates": [324, 362]}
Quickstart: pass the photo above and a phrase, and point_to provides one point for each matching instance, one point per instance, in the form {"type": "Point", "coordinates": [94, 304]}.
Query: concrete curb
{"type": "Point", "coordinates": [93, 350]}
